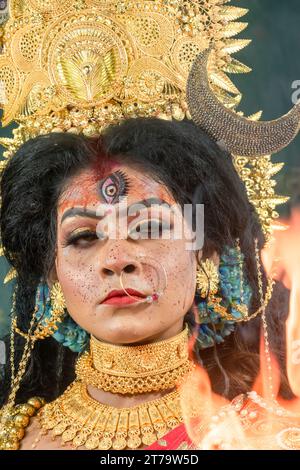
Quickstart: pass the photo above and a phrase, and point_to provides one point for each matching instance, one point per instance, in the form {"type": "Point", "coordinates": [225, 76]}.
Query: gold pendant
{"type": "Point", "coordinates": [84, 422]}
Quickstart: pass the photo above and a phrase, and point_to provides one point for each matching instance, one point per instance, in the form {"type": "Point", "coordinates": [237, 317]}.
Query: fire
{"type": "Point", "coordinates": [286, 260]}
{"type": "Point", "coordinates": [293, 335]}
{"type": "Point", "coordinates": [262, 419]}
{"type": "Point", "coordinates": [204, 422]}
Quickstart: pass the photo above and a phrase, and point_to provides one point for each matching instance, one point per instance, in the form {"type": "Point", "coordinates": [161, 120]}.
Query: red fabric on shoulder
{"type": "Point", "coordinates": [177, 439]}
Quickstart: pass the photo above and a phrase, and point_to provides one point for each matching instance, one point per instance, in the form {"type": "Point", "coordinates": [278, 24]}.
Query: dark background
{"type": "Point", "coordinates": [274, 55]}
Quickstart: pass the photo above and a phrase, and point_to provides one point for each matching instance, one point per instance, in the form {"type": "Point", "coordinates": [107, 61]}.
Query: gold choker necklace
{"type": "Point", "coordinates": [83, 421]}
{"type": "Point", "coordinates": [135, 369]}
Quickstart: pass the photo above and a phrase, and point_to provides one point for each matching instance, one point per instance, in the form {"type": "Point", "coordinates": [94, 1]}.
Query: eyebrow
{"type": "Point", "coordinates": [151, 201]}
{"type": "Point", "coordinates": [82, 212]}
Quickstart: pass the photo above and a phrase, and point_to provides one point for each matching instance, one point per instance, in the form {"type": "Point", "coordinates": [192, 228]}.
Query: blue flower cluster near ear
{"type": "Point", "coordinates": [213, 329]}
{"type": "Point", "coordinates": [68, 333]}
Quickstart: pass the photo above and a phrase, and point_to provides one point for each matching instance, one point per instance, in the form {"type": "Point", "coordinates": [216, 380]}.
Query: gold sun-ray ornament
{"type": "Point", "coordinates": [78, 66]}
{"type": "Point", "coordinates": [12, 274]}
{"type": "Point", "coordinates": [207, 279]}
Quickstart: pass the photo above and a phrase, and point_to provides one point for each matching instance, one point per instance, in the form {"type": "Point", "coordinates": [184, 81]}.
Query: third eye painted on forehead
{"type": "Point", "coordinates": [112, 190]}
{"type": "Point", "coordinates": [114, 187]}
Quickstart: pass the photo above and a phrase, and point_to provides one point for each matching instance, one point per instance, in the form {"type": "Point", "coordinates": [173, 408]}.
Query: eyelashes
{"type": "Point", "coordinates": [125, 179]}
{"type": "Point", "coordinates": [152, 228]}
{"type": "Point", "coordinates": [84, 236]}
{"type": "Point", "coordinates": [114, 187]}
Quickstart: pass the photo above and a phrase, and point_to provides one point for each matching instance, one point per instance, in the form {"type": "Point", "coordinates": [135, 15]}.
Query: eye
{"type": "Point", "coordinates": [149, 229]}
{"type": "Point", "coordinates": [82, 239]}
{"type": "Point", "coordinates": [111, 190]}
{"type": "Point", "coordinates": [114, 186]}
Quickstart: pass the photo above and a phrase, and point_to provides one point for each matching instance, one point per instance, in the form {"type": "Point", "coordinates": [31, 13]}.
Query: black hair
{"type": "Point", "coordinates": [195, 170]}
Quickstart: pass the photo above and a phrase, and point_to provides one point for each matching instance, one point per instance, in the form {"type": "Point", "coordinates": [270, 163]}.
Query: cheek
{"type": "Point", "coordinates": [180, 267]}
{"type": "Point", "coordinates": [78, 278]}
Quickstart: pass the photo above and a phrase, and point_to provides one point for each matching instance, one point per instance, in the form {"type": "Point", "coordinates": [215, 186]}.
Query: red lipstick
{"type": "Point", "coordinates": [119, 297]}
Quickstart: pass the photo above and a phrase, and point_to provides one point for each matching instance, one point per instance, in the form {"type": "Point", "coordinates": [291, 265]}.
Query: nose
{"type": "Point", "coordinates": [118, 268]}
{"type": "Point", "coordinates": [118, 261]}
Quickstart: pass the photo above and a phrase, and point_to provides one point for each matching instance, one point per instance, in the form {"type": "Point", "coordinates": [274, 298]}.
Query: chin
{"type": "Point", "coordinates": [123, 333]}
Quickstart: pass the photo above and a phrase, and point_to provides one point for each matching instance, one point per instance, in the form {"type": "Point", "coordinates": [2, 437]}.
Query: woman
{"type": "Point", "coordinates": [53, 232]}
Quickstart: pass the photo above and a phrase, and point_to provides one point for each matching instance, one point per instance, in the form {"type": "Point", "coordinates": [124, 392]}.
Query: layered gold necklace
{"type": "Point", "coordinates": [84, 422]}
{"type": "Point", "coordinates": [135, 369]}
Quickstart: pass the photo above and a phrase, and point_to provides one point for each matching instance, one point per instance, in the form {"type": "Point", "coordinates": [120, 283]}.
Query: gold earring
{"type": "Point", "coordinates": [207, 279]}
{"type": "Point", "coordinates": [50, 324]}
{"type": "Point", "coordinates": [58, 303]}
{"type": "Point", "coordinates": [207, 282]}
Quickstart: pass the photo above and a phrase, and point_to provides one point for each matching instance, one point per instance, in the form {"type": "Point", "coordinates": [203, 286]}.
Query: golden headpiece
{"type": "Point", "coordinates": [83, 64]}
{"type": "Point", "coordinates": [77, 66]}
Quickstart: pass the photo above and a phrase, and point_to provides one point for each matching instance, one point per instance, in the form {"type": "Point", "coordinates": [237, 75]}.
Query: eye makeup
{"type": "Point", "coordinates": [114, 187]}
{"type": "Point", "coordinates": [80, 237]}
{"type": "Point", "coordinates": [149, 228]}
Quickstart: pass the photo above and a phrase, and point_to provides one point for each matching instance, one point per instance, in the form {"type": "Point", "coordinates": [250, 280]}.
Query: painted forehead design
{"type": "Point", "coordinates": [114, 186]}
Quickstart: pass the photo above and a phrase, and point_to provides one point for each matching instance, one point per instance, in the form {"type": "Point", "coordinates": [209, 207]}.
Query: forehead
{"type": "Point", "coordinates": [87, 188]}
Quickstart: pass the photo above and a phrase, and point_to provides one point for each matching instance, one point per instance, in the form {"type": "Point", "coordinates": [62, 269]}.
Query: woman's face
{"type": "Point", "coordinates": [105, 244]}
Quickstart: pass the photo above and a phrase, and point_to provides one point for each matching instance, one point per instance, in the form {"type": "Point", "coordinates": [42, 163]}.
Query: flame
{"type": "Point", "coordinates": [200, 408]}
{"type": "Point", "coordinates": [262, 419]}
{"type": "Point", "coordinates": [293, 335]}
{"type": "Point", "coordinates": [286, 256]}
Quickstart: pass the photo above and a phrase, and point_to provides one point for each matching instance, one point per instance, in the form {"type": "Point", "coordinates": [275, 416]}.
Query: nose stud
{"type": "Point", "coordinates": [154, 297]}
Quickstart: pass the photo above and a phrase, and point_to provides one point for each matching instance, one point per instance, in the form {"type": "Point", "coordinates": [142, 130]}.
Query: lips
{"type": "Point", "coordinates": [119, 297]}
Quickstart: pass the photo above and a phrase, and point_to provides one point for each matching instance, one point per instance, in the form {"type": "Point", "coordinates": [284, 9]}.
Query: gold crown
{"type": "Point", "coordinates": [77, 66]}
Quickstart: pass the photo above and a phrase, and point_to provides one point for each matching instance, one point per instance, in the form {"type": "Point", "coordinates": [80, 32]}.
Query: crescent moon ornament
{"type": "Point", "coordinates": [241, 136]}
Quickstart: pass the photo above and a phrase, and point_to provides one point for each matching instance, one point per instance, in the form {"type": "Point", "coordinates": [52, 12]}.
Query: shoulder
{"type": "Point", "coordinates": [36, 439]}
{"type": "Point", "coordinates": [31, 436]}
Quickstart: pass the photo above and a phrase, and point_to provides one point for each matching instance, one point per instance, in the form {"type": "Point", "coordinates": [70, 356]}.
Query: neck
{"type": "Point", "coordinates": [124, 401]}
{"type": "Point", "coordinates": [126, 376]}
{"type": "Point", "coordinates": [169, 333]}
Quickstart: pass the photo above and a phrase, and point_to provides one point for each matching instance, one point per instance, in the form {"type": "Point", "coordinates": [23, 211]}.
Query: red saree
{"type": "Point", "coordinates": [177, 439]}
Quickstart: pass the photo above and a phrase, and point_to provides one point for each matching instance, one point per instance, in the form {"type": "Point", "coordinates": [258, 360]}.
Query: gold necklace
{"type": "Point", "coordinates": [135, 369]}
{"type": "Point", "coordinates": [83, 421]}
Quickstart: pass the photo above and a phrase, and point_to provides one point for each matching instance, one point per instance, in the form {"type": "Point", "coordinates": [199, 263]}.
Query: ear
{"type": "Point", "coordinates": [199, 254]}
{"type": "Point", "coordinates": [214, 257]}
{"type": "Point", "coordinates": [52, 276]}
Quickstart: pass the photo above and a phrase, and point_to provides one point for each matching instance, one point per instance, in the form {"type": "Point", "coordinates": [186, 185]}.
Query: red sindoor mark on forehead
{"type": "Point", "coordinates": [84, 189]}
